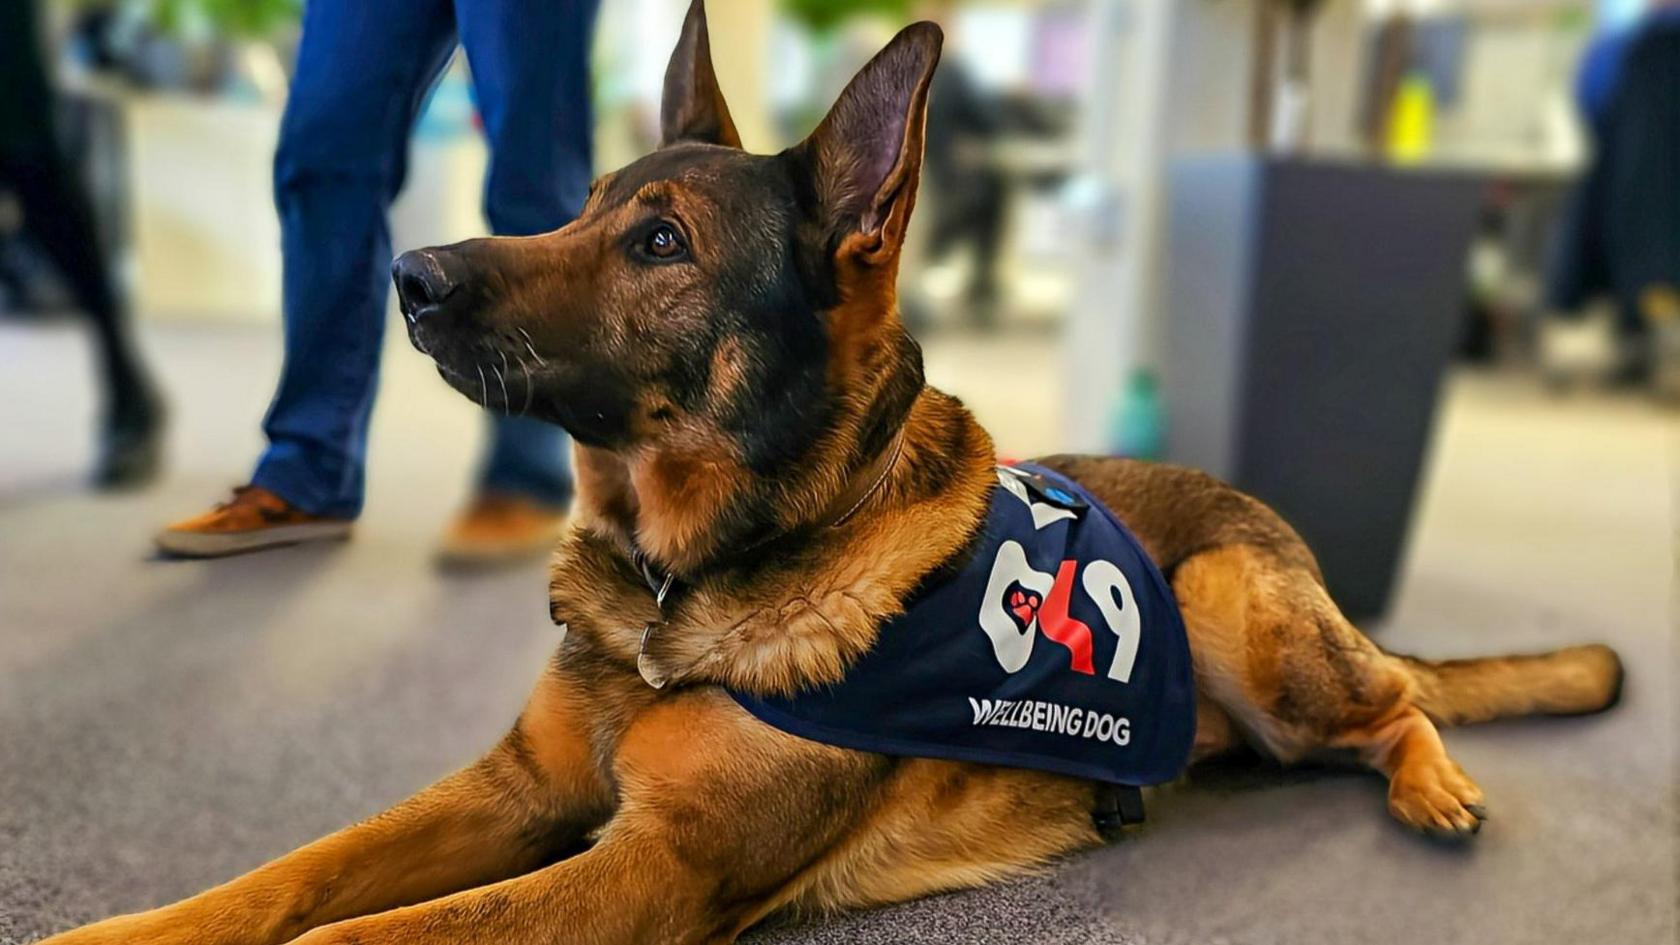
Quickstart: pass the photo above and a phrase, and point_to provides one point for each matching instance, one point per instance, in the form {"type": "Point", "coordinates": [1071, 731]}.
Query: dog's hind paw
{"type": "Point", "coordinates": [1437, 798]}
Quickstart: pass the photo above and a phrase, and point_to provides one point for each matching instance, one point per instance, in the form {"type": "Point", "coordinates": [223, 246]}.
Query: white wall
{"type": "Point", "coordinates": [206, 243]}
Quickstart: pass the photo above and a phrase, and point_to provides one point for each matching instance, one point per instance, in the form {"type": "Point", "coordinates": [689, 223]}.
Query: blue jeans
{"type": "Point", "coordinates": [364, 69]}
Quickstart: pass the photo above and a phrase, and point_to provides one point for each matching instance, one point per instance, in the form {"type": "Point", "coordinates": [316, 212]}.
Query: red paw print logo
{"type": "Point", "coordinates": [1023, 604]}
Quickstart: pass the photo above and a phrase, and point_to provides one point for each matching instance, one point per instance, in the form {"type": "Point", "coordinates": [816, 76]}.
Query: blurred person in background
{"type": "Point", "coordinates": [58, 214]}
{"type": "Point", "coordinates": [1621, 233]}
{"type": "Point", "coordinates": [968, 192]}
{"type": "Point", "coordinates": [364, 69]}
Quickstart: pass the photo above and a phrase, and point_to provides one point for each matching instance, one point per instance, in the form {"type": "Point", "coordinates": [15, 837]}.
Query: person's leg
{"type": "Point", "coordinates": [364, 68]}
{"type": "Point", "coordinates": [988, 234]}
{"type": "Point", "coordinates": [527, 458]}
{"type": "Point", "coordinates": [59, 215]}
{"type": "Point", "coordinates": [531, 71]}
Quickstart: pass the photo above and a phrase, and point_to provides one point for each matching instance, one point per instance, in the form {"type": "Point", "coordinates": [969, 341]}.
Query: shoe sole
{"type": "Point", "coordinates": [220, 545]}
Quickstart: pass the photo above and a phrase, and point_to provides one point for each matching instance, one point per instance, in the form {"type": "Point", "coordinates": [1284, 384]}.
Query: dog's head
{"type": "Point", "coordinates": [714, 321]}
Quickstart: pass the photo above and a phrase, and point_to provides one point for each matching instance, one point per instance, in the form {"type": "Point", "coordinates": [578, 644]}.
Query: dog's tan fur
{"type": "Point", "coordinates": [617, 812]}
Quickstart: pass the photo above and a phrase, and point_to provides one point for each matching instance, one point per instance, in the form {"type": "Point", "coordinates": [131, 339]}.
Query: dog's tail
{"type": "Point", "coordinates": [1576, 680]}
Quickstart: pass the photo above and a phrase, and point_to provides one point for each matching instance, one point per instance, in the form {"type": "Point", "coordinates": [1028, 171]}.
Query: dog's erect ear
{"type": "Point", "coordinates": [866, 156]}
{"type": "Point", "coordinates": [693, 108]}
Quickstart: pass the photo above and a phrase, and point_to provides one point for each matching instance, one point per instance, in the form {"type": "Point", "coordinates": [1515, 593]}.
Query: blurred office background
{"type": "Point", "coordinates": [1303, 243]}
{"type": "Point", "coordinates": [1251, 235]}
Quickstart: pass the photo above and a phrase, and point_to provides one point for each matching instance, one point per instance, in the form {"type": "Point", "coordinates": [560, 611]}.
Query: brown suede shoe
{"type": "Point", "coordinates": [253, 520]}
{"type": "Point", "coordinates": [500, 529]}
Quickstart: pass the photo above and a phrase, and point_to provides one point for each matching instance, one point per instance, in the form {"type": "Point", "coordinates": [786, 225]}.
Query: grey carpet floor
{"type": "Point", "coordinates": [166, 725]}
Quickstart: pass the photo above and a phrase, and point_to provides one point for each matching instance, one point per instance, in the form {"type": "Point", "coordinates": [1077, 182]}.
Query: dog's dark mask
{"type": "Point", "coordinates": [674, 299]}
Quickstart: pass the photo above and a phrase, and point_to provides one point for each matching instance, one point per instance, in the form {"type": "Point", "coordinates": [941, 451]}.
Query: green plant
{"type": "Point", "coordinates": [245, 18]}
{"type": "Point", "coordinates": [251, 18]}
{"type": "Point", "coordinates": [822, 15]}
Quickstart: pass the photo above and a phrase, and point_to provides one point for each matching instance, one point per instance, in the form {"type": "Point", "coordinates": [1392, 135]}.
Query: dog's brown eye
{"type": "Point", "coordinates": [664, 243]}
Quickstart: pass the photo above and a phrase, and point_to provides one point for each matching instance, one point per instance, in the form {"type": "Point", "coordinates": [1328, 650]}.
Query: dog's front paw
{"type": "Point", "coordinates": [1438, 798]}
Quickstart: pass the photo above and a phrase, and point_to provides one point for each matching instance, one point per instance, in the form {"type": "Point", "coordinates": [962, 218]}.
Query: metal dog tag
{"type": "Point", "coordinates": [650, 673]}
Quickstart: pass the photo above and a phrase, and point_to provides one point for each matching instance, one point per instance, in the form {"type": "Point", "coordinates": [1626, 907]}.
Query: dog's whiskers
{"type": "Point", "coordinates": [500, 380]}
{"type": "Point", "coordinates": [526, 369]}
{"type": "Point", "coordinates": [506, 404]}
{"type": "Point", "coordinates": [483, 388]}
{"type": "Point", "coordinates": [532, 348]}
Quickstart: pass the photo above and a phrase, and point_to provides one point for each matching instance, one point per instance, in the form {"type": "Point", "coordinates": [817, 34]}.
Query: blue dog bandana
{"type": "Point", "coordinates": [1058, 646]}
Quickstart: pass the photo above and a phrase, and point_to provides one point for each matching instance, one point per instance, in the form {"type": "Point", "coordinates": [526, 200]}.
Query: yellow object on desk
{"type": "Point", "coordinates": [1411, 121]}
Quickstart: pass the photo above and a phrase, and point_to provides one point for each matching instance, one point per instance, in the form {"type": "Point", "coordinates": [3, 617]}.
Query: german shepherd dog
{"type": "Point", "coordinates": [719, 332]}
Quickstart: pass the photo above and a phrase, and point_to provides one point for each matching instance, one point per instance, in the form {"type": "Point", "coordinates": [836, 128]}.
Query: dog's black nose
{"type": "Point", "coordinates": [424, 280]}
